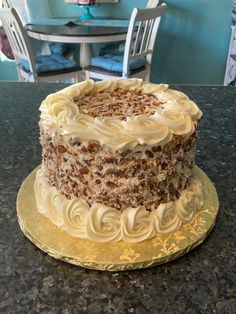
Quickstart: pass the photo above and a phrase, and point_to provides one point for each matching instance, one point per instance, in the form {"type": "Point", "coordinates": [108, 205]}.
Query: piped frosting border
{"type": "Point", "coordinates": [102, 223]}
{"type": "Point", "coordinates": [178, 115]}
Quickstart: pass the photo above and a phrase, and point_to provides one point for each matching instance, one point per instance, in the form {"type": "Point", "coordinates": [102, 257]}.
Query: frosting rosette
{"type": "Point", "coordinates": [131, 84]}
{"type": "Point", "coordinates": [42, 193]}
{"type": "Point", "coordinates": [147, 130]}
{"type": "Point", "coordinates": [103, 224]}
{"type": "Point", "coordinates": [170, 94]}
{"type": "Point", "coordinates": [111, 133]}
{"type": "Point", "coordinates": [136, 225]}
{"type": "Point", "coordinates": [79, 89]}
{"type": "Point", "coordinates": [59, 107]}
{"type": "Point", "coordinates": [74, 213]}
{"type": "Point", "coordinates": [190, 201]}
{"type": "Point", "coordinates": [80, 127]}
{"type": "Point", "coordinates": [105, 86]}
{"type": "Point", "coordinates": [166, 218]}
{"type": "Point", "coordinates": [178, 123]}
{"type": "Point", "coordinates": [150, 88]}
{"type": "Point", "coordinates": [45, 199]}
{"type": "Point", "coordinates": [185, 106]}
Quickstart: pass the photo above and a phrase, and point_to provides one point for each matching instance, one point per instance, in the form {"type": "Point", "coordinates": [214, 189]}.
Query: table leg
{"type": "Point", "coordinates": [86, 54]}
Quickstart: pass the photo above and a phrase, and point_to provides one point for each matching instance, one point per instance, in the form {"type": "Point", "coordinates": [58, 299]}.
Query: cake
{"type": "Point", "coordinates": [118, 159]}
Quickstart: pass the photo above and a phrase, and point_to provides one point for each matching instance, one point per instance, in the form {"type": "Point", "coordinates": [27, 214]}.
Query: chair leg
{"type": "Point", "coordinates": [87, 75]}
{"type": "Point", "coordinates": [76, 80]}
{"type": "Point", "coordinates": [148, 73]}
{"type": "Point", "coordinates": [20, 78]}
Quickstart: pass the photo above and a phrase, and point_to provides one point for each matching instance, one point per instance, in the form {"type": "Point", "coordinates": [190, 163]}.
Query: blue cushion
{"type": "Point", "coordinates": [113, 49]}
{"type": "Point", "coordinates": [115, 63]}
{"type": "Point", "coordinates": [58, 49]}
{"type": "Point", "coordinates": [52, 62]}
{"type": "Point", "coordinates": [61, 49]}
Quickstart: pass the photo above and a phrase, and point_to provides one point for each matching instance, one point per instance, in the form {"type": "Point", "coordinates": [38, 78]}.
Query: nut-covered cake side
{"type": "Point", "coordinates": [145, 177]}
{"type": "Point", "coordinates": [121, 147]}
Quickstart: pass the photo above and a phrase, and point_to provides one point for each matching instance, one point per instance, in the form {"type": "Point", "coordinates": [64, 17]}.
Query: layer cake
{"type": "Point", "coordinates": [117, 160]}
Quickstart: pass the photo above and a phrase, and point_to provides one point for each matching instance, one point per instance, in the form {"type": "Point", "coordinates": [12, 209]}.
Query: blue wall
{"type": "Point", "coordinates": [192, 41]}
{"type": "Point", "coordinates": [8, 70]}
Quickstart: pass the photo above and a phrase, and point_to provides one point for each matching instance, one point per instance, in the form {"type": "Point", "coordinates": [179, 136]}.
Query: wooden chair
{"type": "Point", "coordinates": [6, 4]}
{"type": "Point", "coordinates": [152, 3]}
{"type": "Point", "coordinates": [230, 71]}
{"type": "Point", "coordinates": [23, 54]}
{"type": "Point", "coordinates": [140, 40]}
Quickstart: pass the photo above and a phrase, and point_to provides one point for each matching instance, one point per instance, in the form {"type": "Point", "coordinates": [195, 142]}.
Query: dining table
{"type": "Point", "coordinates": [84, 33]}
{"type": "Point", "coordinates": [201, 281]}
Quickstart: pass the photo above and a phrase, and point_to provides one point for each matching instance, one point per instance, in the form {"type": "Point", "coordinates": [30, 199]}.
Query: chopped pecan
{"type": "Point", "coordinates": [110, 160]}
{"type": "Point", "coordinates": [126, 152]}
{"type": "Point", "coordinates": [141, 176]}
{"type": "Point", "coordinates": [84, 149]}
{"type": "Point", "coordinates": [164, 165]}
{"type": "Point", "coordinates": [93, 147]}
{"type": "Point", "coordinates": [110, 184]}
{"type": "Point", "coordinates": [115, 172]}
{"type": "Point", "coordinates": [156, 149]}
{"type": "Point", "coordinates": [84, 170]}
{"type": "Point", "coordinates": [149, 154]}
{"type": "Point", "coordinates": [61, 149]}
{"type": "Point", "coordinates": [76, 143]}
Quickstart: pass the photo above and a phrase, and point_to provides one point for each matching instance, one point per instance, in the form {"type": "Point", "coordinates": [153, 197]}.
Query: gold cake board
{"type": "Point", "coordinates": [115, 256]}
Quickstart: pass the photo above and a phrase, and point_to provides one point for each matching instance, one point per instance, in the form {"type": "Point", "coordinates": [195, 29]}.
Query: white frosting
{"type": "Point", "coordinates": [75, 215]}
{"type": "Point", "coordinates": [178, 123]}
{"type": "Point", "coordinates": [176, 115]}
{"type": "Point", "coordinates": [167, 220]}
{"type": "Point", "coordinates": [146, 130]}
{"type": "Point", "coordinates": [136, 225]}
{"type": "Point", "coordinates": [189, 200]}
{"type": "Point", "coordinates": [58, 108]}
{"type": "Point", "coordinates": [102, 223]}
{"type": "Point", "coordinates": [131, 84]}
{"type": "Point", "coordinates": [79, 89]}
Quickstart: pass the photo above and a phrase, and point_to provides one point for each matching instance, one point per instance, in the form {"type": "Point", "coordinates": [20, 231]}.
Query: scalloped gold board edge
{"type": "Point", "coordinates": [115, 256]}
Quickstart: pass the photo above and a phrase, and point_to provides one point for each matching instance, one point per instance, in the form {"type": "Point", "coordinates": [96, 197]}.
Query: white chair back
{"type": "Point", "coordinates": [5, 3]}
{"type": "Point", "coordinates": [22, 8]}
{"type": "Point", "coordinates": [18, 39]}
{"type": "Point", "coordinates": [152, 3]}
{"type": "Point", "coordinates": [142, 32]}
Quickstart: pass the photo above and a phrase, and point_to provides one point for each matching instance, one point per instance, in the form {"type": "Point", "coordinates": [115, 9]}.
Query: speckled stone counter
{"type": "Point", "coordinates": [203, 281]}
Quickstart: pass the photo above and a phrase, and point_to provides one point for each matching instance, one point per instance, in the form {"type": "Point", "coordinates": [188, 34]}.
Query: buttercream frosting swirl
{"type": "Point", "coordinates": [147, 130]}
{"type": "Point", "coordinates": [79, 89]}
{"type": "Point", "coordinates": [75, 215]}
{"type": "Point", "coordinates": [131, 84]}
{"type": "Point", "coordinates": [60, 107]}
{"type": "Point", "coordinates": [136, 225]}
{"type": "Point", "coordinates": [185, 106]}
{"type": "Point", "coordinates": [102, 223]}
{"type": "Point", "coordinates": [189, 200]}
{"type": "Point", "coordinates": [177, 123]}
{"type": "Point", "coordinates": [46, 200]}
{"type": "Point", "coordinates": [176, 115]}
{"type": "Point", "coordinates": [166, 218]}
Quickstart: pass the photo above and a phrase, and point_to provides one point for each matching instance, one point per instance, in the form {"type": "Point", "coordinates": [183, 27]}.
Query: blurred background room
{"type": "Point", "coordinates": [194, 44]}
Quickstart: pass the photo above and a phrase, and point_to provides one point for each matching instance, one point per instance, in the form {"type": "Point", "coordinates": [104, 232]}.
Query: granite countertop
{"type": "Point", "coordinates": [203, 281]}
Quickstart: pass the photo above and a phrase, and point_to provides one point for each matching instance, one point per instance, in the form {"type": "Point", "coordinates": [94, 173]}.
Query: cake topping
{"type": "Point", "coordinates": [120, 114]}
{"type": "Point", "coordinates": [120, 103]}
